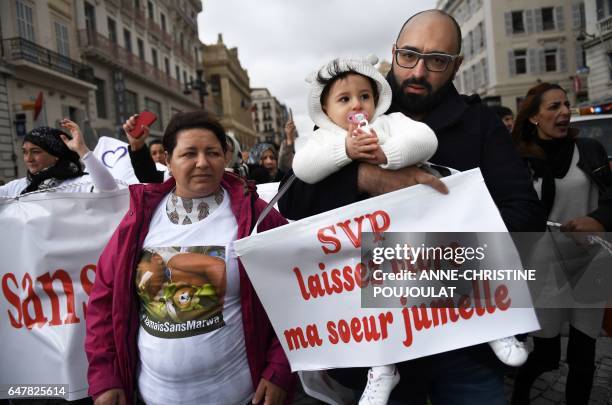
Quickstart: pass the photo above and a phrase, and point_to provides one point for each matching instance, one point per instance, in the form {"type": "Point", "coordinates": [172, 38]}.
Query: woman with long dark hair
{"type": "Point", "coordinates": [573, 180]}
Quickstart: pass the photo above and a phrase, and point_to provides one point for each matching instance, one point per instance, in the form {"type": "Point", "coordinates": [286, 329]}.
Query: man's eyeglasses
{"type": "Point", "coordinates": [434, 62]}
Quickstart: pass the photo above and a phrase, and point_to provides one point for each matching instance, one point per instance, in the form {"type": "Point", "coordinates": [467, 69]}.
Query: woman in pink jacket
{"type": "Point", "coordinates": [172, 316]}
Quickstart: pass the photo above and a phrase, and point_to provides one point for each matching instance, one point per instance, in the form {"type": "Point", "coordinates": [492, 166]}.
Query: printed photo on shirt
{"type": "Point", "coordinates": [181, 290]}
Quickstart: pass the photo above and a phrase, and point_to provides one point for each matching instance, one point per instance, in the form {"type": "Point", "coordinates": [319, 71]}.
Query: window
{"type": "Point", "coordinates": [471, 42]}
{"type": "Point", "coordinates": [140, 45]}
{"type": "Point", "coordinates": [519, 101]}
{"type": "Point", "coordinates": [520, 61]}
{"type": "Point", "coordinates": [61, 35]}
{"type": "Point", "coordinates": [550, 58]}
{"type": "Point", "coordinates": [163, 22]}
{"type": "Point", "coordinates": [137, 4]}
{"type": "Point", "coordinates": [184, 76]}
{"type": "Point", "coordinates": [518, 24]}
{"type": "Point", "coordinates": [215, 83]}
{"type": "Point", "coordinates": [150, 10]}
{"type": "Point", "coordinates": [548, 19]}
{"type": "Point", "coordinates": [127, 40]}
{"type": "Point", "coordinates": [177, 70]}
{"type": "Point", "coordinates": [167, 66]}
{"type": "Point", "coordinates": [25, 22]}
{"type": "Point", "coordinates": [90, 18]}
{"type": "Point", "coordinates": [154, 107]}
{"type": "Point", "coordinates": [475, 76]}
{"type": "Point", "coordinates": [482, 35]}
{"type": "Point", "coordinates": [485, 71]}
{"type": "Point", "coordinates": [131, 103]}
{"type": "Point", "coordinates": [182, 41]}
{"type": "Point", "coordinates": [601, 13]}
{"type": "Point", "coordinates": [101, 98]}
{"type": "Point", "coordinates": [154, 58]}
{"type": "Point", "coordinates": [112, 30]}
{"type": "Point", "coordinates": [466, 82]}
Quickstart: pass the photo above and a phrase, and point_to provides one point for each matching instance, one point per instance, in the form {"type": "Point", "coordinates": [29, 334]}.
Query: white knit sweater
{"type": "Point", "coordinates": [404, 142]}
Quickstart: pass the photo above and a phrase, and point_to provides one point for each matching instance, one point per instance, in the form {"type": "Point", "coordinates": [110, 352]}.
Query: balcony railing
{"type": "Point", "coordinates": [15, 49]}
{"type": "Point", "coordinates": [166, 39]}
{"type": "Point", "coordinates": [112, 53]}
{"type": "Point", "coordinates": [127, 8]}
{"type": "Point", "coordinates": [605, 25]}
{"type": "Point", "coordinates": [191, 22]}
{"type": "Point", "coordinates": [183, 54]}
{"type": "Point", "coordinates": [140, 18]}
{"type": "Point", "coordinates": [154, 28]}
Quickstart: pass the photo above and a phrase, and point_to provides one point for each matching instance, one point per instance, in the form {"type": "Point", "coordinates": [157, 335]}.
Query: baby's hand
{"type": "Point", "coordinates": [379, 157]}
{"type": "Point", "coordinates": [361, 145]}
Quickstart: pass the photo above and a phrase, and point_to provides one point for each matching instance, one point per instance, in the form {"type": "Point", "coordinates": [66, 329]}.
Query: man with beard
{"type": "Point", "coordinates": [426, 57]}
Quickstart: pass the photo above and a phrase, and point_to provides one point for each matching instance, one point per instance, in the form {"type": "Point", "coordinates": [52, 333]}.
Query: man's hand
{"type": "Point", "coordinates": [270, 393]}
{"type": "Point", "coordinates": [116, 396]}
{"type": "Point", "coordinates": [583, 224]}
{"type": "Point", "coordinates": [130, 125]}
{"type": "Point", "coordinates": [581, 227]}
{"type": "Point", "coordinates": [375, 181]}
{"type": "Point", "coordinates": [360, 145]}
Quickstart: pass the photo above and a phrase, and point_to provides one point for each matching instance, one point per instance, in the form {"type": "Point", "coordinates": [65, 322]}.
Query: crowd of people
{"type": "Point", "coordinates": [170, 259]}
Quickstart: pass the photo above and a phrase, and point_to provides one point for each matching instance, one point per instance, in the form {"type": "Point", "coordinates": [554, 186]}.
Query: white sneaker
{"type": "Point", "coordinates": [379, 387]}
{"type": "Point", "coordinates": [510, 351]}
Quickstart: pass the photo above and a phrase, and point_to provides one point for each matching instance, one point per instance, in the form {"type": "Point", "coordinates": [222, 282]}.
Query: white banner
{"type": "Point", "coordinates": [50, 246]}
{"type": "Point", "coordinates": [114, 154]}
{"type": "Point", "coordinates": [307, 275]}
{"type": "Point", "coordinates": [267, 191]}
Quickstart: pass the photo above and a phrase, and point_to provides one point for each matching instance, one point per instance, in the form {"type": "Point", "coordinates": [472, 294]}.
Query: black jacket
{"type": "Point", "coordinates": [144, 166]}
{"type": "Point", "coordinates": [469, 136]}
{"type": "Point", "coordinates": [593, 160]}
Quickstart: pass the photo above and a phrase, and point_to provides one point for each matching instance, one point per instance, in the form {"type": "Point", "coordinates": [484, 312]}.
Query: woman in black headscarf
{"type": "Point", "coordinates": [53, 159]}
{"type": "Point", "coordinates": [263, 164]}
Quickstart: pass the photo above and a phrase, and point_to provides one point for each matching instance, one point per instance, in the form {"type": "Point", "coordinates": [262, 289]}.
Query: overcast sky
{"type": "Point", "coordinates": [281, 41]}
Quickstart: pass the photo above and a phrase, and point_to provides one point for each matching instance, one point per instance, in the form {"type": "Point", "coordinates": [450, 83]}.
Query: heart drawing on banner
{"type": "Point", "coordinates": [111, 157]}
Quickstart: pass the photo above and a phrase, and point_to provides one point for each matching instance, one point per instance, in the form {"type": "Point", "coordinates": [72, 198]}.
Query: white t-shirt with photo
{"type": "Point", "coordinates": [191, 340]}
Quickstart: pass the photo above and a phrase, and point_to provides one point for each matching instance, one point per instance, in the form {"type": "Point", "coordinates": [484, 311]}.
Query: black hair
{"type": "Point", "coordinates": [156, 142]}
{"type": "Point", "coordinates": [440, 12]}
{"type": "Point", "coordinates": [192, 120]}
{"type": "Point", "coordinates": [335, 73]}
{"type": "Point", "coordinates": [501, 111]}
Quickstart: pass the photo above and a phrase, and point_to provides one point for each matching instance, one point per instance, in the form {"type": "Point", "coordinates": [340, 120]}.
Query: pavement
{"type": "Point", "coordinates": [549, 388]}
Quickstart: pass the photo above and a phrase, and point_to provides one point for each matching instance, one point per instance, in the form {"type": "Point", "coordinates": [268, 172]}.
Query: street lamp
{"type": "Point", "coordinates": [583, 35]}
{"type": "Point", "coordinates": [199, 85]}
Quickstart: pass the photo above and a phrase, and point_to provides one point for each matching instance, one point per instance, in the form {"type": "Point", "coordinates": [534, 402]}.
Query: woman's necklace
{"type": "Point", "coordinates": [185, 211]}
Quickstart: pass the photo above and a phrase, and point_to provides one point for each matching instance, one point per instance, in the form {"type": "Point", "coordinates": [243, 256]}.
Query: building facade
{"type": "Point", "coordinates": [229, 88]}
{"type": "Point", "coordinates": [597, 44]}
{"type": "Point", "coordinates": [40, 50]}
{"type": "Point", "coordinates": [143, 53]}
{"type": "Point", "coordinates": [95, 62]}
{"type": "Point", "coordinates": [511, 45]}
{"type": "Point", "coordinates": [269, 116]}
